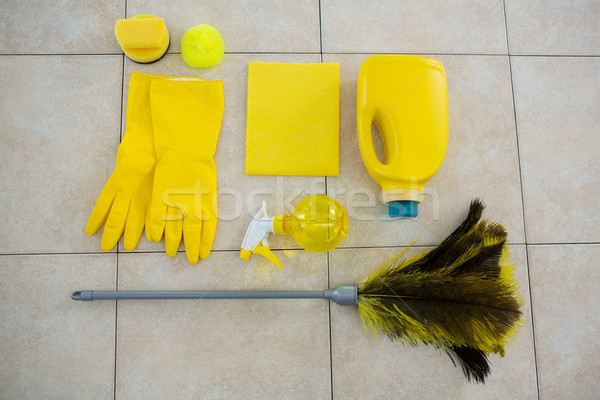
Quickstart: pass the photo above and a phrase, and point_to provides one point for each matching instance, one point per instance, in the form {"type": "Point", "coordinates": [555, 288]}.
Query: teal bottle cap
{"type": "Point", "coordinates": [403, 209]}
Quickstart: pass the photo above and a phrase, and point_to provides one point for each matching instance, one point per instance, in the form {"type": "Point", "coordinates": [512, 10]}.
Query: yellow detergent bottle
{"type": "Point", "coordinates": [406, 97]}
{"type": "Point", "coordinates": [318, 223]}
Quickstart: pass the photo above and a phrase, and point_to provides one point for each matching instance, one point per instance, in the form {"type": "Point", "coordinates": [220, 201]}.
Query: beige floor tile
{"type": "Point", "coordinates": [267, 349]}
{"type": "Point", "coordinates": [438, 26]}
{"type": "Point", "coordinates": [59, 138]}
{"type": "Point", "coordinates": [564, 286]}
{"type": "Point", "coordinates": [51, 27]}
{"type": "Point", "coordinates": [240, 195]}
{"type": "Point", "coordinates": [481, 159]}
{"type": "Point", "coordinates": [260, 26]}
{"type": "Point", "coordinates": [553, 27]}
{"type": "Point", "coordinates": [52, 347]}
{"type": "Point", "coordinates": [367, 368]}
{"type": "Point", "coordinates": [559, 136]}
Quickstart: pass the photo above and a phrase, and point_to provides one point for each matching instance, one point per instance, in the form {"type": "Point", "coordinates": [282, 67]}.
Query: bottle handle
{"type": "Point", "coordinates": [364, 121]}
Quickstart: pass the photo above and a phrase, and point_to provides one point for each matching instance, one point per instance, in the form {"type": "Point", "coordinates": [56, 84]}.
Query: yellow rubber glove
{"type": "Point", "coordinates": [186, 117]}
{"type": "Point", "coordinates": [123, 203]}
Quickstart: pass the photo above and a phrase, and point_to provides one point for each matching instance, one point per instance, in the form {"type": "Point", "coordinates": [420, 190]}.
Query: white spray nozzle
{"type": "Point", "coordinates": [255, 240]}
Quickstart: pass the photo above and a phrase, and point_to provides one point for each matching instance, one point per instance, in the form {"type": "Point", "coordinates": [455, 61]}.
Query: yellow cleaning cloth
{"type": "Point", "coordinates": [292, 125]}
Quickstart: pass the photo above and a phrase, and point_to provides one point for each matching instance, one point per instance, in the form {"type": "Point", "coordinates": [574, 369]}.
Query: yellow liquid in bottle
{"type": "Point", "coordinates": [319, 223]}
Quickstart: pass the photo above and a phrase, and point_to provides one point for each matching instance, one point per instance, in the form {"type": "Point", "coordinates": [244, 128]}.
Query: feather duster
{"type": "Point", "coordinates": [460, 296]}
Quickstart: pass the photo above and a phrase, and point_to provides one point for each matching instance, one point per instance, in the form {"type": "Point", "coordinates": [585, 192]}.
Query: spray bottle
{"type": "Point", "coordinates": [318, 223]}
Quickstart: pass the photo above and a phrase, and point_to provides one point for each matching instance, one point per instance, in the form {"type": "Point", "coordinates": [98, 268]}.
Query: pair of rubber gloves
{"type": "Point", "coordinates": [165, 177]}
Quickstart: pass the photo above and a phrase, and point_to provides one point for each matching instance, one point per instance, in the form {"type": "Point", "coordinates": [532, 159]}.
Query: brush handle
{"type": "Point", "coordinates": [345, 295]}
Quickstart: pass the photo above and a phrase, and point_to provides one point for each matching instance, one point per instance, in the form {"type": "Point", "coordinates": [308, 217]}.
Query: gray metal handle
{"type": "Point", "coordinates": [345, 295]}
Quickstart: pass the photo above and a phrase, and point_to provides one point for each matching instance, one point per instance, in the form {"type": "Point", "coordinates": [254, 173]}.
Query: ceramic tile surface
{"type": "Point", "coordinates": [564, 283]}
{"type": "Point", "coordinates": [59, 138]}
{"type": "Point", "coordinates": [553, 27]}
{"type": "Point", "coordinates": [50, 27]}
{"type": "Point", "coordinates": [438, 26]}
{"type": "Point", "coordinates": [523, 88]}
{"type": "Point", "coordinates": [249, 349]}
{"type": "Point", "coordinates": [559, 136]}
{"type": "Point", "coordinates": [260, 26]}
{"type": "Point", "coordinates": [394, 369]}
{"type": "Point", "coordinates": [50, 346]}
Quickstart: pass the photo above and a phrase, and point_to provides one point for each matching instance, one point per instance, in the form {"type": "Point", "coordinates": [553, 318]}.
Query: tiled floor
{"type": "Point", "coordinates": [524, 90]}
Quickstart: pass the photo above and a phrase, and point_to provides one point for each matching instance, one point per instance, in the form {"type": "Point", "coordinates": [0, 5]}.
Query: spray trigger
{"type": "Point", "coordinates": [266, 252]}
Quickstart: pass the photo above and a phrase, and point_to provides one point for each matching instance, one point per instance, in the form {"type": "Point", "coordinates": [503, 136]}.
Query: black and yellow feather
{"type": "Point", "coordinates": [460, 296]}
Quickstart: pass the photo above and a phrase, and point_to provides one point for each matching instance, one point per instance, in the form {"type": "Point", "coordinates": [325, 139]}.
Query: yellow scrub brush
{"type": "Point", "coordinates": [461, 296]}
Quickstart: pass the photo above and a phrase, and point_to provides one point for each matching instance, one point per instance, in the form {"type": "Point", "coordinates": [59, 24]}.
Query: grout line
{"type": "Point", "coordinates": [557, 55]}
{"type": "Point", "coordinates": [383, 247]}
{"type": "Point", "coordinates": [118, 244]}
{"type": "Point", "coordinates": [561, 243]}
{"type": "Point", "coordinates": [330, 341]}
{"type": "Point", "coordinates": [92, 253]}
{"type": "Point", "coordinates": [535, 362]}
{"type": "Point", "coordinates": [437, 53]}
{"type": "Point", "coordinates": [320, 31]}
{"type": "Point", "coordinates": [506, 28]}
{"type": "Point", "coordinates": [116, 328]}
{"type": "Point", "coordinates": [116, 332]}
{"type": "Point", "coordinates": [89, 253]}
{"type": "Point", "coordinates": [328, 276]}
{"type": "Point", "coordinates": [403, 245]}
{"type": "Point", "coordinates": [512, 88]}
{"type": "Point", "coordinates": [431, 53]}
{"type": "Point", "coordinates": [427, 53]}
{"type": "Point", "coordinates": [268, 52]}
{"type": "Point", "coordinates": [61, 54]}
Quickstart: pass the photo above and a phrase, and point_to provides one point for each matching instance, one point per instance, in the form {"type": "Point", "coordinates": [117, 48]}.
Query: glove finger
{"type": "Point", "coordinates": [100, 212]}
{"type": "Point", "coordinates": [192, 229]}
{"type": "Point", "coordinates": [209, 226]}
{"type": "Point", "coordinates": [156, 221]}
{"type": "Point", "coordinates": [134, 224]}
{"type": "Point", "coordinates": [173, 227]}
{"type": "Point", "coordinates": [115, 224]}
{"type": "Point", "coordinates": [147, 226]}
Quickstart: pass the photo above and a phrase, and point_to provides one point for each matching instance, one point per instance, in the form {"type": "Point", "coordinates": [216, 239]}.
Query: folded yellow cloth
{"type": "Point", "coordinates": [292, 125]}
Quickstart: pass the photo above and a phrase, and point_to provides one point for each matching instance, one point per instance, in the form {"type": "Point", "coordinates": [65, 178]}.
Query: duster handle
{"type": "Point", "coordinates": [345, 295]}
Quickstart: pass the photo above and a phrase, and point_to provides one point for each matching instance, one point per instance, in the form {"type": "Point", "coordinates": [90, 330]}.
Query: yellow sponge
{"type": "Point", "coordinates": [202, 46]}
{"type": "Point", "coordinates": [143, 38]}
